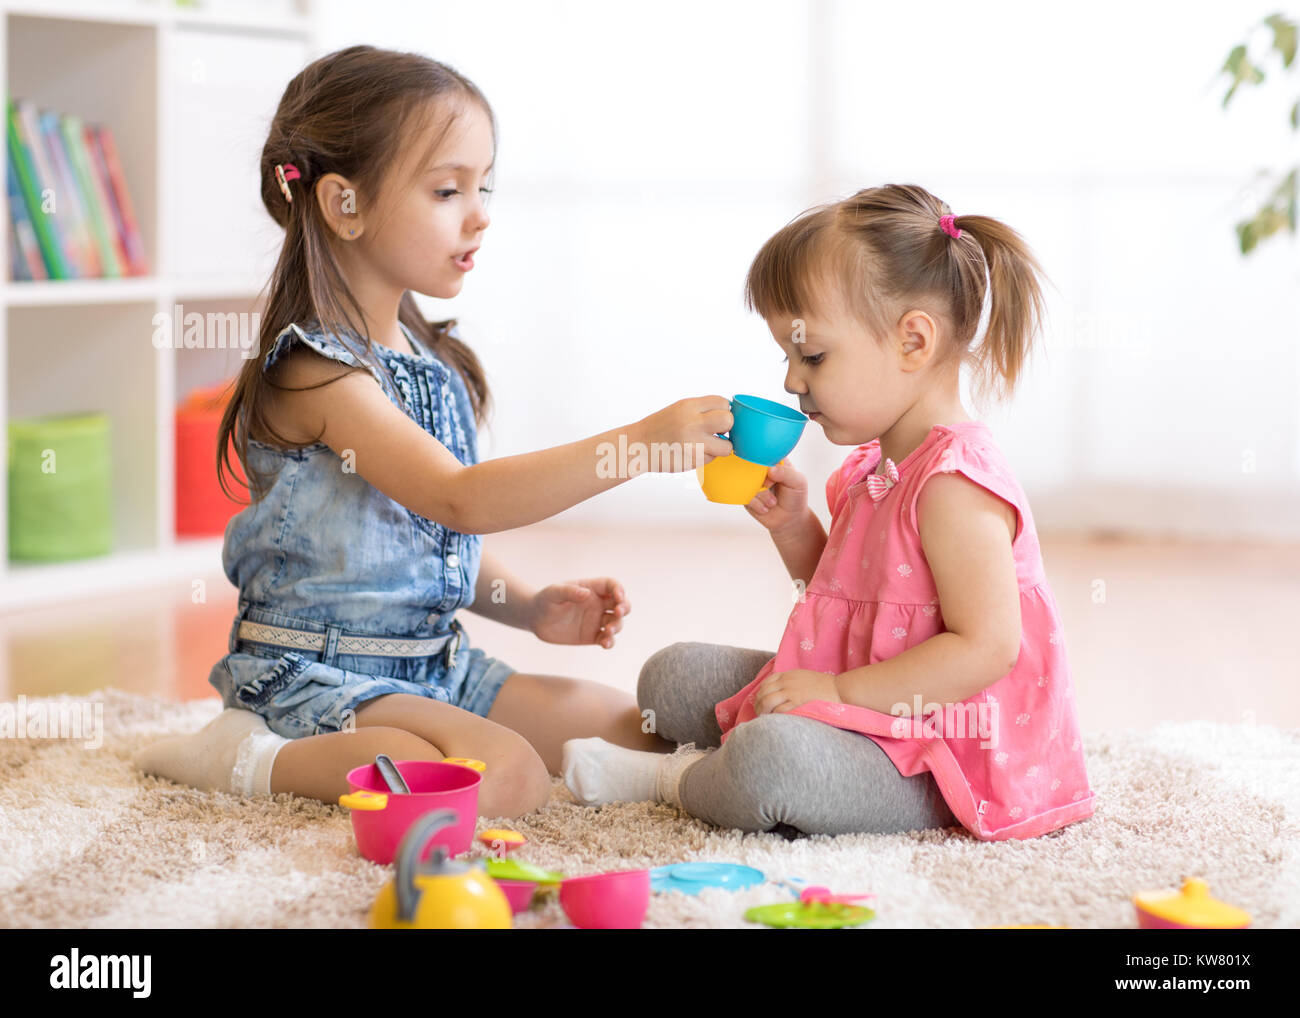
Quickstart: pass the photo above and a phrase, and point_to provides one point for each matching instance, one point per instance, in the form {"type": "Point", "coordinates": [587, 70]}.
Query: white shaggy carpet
{"type": "Point", "coordinates": [87, 842]}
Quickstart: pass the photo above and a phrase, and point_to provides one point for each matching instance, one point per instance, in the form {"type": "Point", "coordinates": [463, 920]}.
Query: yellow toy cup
{"type": "Point", "coordinates": [731, 480]}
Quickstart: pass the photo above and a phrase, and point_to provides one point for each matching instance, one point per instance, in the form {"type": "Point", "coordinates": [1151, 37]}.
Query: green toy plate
{"type": "Point", "coordinates": [516, 869]}
{"type": "Point", "coordinates": [809, 915]}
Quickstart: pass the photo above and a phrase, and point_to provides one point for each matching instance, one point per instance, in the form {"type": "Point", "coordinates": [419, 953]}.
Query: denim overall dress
{"type": "Point", "coordinates": [345, 594]}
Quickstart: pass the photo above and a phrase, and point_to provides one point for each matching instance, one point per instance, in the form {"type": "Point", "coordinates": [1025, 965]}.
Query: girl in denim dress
{"type": "Point", "coordinates": [357, 430]}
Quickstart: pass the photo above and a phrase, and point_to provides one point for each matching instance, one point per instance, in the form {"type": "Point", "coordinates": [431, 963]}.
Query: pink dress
{"type": "Point", "coordinates": [1008, 760]}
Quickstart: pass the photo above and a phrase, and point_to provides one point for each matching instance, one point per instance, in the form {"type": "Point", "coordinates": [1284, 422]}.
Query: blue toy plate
{"type": "Point", "coordinates": [692, 877]}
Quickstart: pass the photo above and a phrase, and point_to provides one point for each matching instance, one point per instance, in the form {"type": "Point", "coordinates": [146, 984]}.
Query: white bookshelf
{"type": "Point", "coordinates": [188, 93]}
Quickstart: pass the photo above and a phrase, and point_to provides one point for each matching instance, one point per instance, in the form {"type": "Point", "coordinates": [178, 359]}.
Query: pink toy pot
{"type": "Point", "coordinates": [607, 901]}
{"type": "Point", "coordinates": [380, 818]}
{"type": "Point", "coordinates": [519, 893]}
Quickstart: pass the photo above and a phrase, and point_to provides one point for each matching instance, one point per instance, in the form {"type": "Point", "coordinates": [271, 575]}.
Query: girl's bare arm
{"type": "Point", "coordinates": [386, 447]}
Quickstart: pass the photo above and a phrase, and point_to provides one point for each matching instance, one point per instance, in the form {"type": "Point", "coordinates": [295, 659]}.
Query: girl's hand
{"type": "Point", "coordinates": [784, 691]}
{"type": "Point", "coordinates": [676, 433]}
{"type": "Point", "coordinates": [785, 503]}
{"type": "Point", "coordinates": [583, 611]}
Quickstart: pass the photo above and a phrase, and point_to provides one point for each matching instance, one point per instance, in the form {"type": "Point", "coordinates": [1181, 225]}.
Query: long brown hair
{"type": "Point", "coordinates": [886, 252]}
{"type": "Point", "coordinates": [350, 113]}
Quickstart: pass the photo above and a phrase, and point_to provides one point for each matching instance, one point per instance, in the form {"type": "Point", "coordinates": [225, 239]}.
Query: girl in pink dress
{"type": "Point", "coordinates": [922, 680]}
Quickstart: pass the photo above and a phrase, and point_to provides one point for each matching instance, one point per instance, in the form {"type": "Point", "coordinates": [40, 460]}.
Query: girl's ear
{"type": "Point", "coordinates": [917, 335]}
{"type": "Point", "coordinates": [338, 203]}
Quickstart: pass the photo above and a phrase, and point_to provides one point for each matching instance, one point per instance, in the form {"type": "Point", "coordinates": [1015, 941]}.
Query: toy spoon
{"type": "Point", "coordinates": [391, 775]}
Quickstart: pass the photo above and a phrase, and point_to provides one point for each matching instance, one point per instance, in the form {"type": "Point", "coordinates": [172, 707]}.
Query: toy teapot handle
{"type": "Point", "coordinates": [408, 857]}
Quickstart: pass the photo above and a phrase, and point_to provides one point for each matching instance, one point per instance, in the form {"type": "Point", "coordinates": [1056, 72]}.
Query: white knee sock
{"type": "Point", "coordinates": [234, 752]}
{"type": "Point", "coordinates": [597, 772]}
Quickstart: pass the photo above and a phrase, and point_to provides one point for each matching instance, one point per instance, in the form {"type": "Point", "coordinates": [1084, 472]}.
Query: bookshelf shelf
{"type": "Point", "coordinates": [44, 292]}
{"type": "Point", "coordinates": [188, 92]}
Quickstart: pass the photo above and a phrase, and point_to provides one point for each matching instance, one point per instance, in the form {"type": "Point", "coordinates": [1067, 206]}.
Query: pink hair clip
{"type": "Point", "coordinates": [947, 223]}
{"type": "Point", "coordinates": [285, 172]}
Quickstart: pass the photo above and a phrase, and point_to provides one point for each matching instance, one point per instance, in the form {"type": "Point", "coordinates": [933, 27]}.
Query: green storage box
{"type": "Point", "coordinates": [60, 487]}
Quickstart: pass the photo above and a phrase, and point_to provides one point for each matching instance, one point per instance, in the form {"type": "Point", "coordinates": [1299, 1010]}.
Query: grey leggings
{"type": "Point", "coordinates": [777, 772]}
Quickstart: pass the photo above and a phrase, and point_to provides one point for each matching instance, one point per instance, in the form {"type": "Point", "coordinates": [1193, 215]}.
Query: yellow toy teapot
{"type": "Point", "coordinates": [441, 894]}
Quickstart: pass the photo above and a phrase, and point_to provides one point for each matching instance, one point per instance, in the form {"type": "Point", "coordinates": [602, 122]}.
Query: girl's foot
{"type": "Point", "coordinates": [597, 772]}
{"type": "Point", "coordinates": [233, 752]}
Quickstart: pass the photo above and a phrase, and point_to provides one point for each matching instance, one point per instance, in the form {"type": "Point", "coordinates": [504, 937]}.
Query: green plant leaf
{"type": "Point", "coordinates": [1242, 70]}
{"type": "Point", "coordinates": [1246, 236]}
{"type": "Point", "coordinates": [1235, 59]}
{"type": "Point", "coordinates": [1284, 37]}
{"type": "Point", "coordinates": [1280, 211]}
{"type": "Point", "coordinates": [1232, 66]}
{"type": "Point", "coordinates": [1286, 196]}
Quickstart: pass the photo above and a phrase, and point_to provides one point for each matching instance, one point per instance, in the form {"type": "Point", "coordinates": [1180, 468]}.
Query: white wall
{"type": "Point", "coordinates": [647, 151]}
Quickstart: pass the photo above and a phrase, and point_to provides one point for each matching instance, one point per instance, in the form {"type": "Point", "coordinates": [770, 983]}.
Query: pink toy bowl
{"type": "Point", "coordinates": [607, 901]}
{"type": "Point", "coordinates": [380, 818]}
{"type": "Point", "coordinates": [519, 893]}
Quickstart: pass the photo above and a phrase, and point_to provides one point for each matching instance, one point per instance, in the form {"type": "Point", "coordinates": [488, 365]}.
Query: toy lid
{"type": "Point", "coordinates": [691, 877]}
{"type": "Point", "coordinates": [809, 915]}
{"type": "Point", "coordinates": [516, 869]}
{"type": "Point", "coordinates": [1192, 906]}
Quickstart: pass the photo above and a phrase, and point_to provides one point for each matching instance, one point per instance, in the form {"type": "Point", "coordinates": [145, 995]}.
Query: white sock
{"type": "Point", "coordinates": [597, 772]}
{"type": "Point", "coordinates": [234, 752]}
{"type": "Point", "coordinates": [671, 768]}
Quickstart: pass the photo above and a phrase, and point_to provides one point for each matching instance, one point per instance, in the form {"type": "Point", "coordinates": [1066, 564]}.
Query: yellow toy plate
{"type": "Point", "coordinates": [499, 836]}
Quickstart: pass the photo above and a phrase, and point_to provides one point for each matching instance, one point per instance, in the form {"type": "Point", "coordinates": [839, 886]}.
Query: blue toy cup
{"type": "Point", "coordinates": [763, 431]}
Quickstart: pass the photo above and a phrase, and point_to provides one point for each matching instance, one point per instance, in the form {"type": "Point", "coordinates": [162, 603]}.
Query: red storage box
{"type": "Point", "coordinates": [202, 508]}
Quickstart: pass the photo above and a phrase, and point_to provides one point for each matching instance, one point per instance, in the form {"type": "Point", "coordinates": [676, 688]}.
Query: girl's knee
{"type": "Point", "coordinates": [764, 756]}
{"type": "Point", "coordinates": [649, 681]}
{"type": "Point", "coordinates": [517, 779]}
{"type": "Point", "coordinates": [664, 666]}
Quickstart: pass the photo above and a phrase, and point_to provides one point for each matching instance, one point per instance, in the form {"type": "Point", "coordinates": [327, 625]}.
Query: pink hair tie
{"type": "Point", "coordinates": [947, 223]}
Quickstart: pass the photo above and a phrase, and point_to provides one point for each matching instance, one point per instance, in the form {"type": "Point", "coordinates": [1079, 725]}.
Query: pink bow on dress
{"type": "Point", "coordinates": [880, 481]}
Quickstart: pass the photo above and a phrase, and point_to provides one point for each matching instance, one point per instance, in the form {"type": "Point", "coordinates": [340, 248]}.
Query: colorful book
{"type": "Point", "coordinates": [105, 147]}
{"type": "Point", "coordinates": [27, 263]}
{"type": "Point", "coordinates": [17, 265]}
{"type": "Point", "coordinates": [30, 130]}
{"type": "Point", "coordinates": [47, 234]}
{"type": "Point", "coordinates": [92, 230]}
{"type": "Point", "coordinates": [71, 198]}
{"type": "Point", "coordinates": [103, 228]}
